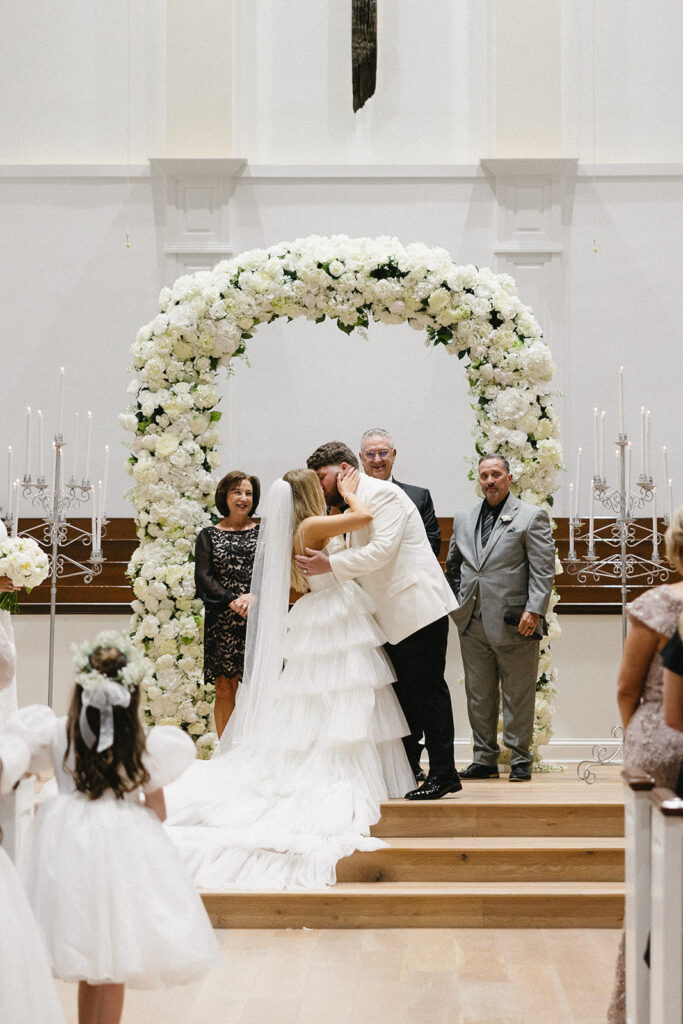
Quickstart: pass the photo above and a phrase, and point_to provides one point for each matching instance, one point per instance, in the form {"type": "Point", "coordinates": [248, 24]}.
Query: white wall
{"type": "Point", "coordinates": [76, 295]}
{"type": "Point", "coordinates": [631, 78]}
{"type": "Point", "coordinates": [67, 66]}
{"type": "Point", "coordinates": [293, 100]}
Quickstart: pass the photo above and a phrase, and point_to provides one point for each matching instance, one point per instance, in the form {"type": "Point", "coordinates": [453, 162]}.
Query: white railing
{"type": "Point", "coordinates": [666, 944]}
{"type": "Point", "coordinates": [637, 819]}
{"type": "Point", "coordinates": [654, 902]}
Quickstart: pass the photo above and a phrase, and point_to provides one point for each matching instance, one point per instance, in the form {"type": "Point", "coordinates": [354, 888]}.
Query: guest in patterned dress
{"type": "Point", "coordinates": [649, 744]}
{"type": "Point", "coordinates": [672, 658]}
{"type": "Point", "coordinates": [224, 560]}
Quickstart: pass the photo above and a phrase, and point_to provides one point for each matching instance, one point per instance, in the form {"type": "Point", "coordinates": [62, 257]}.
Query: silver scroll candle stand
{"type": "Point", "coordinates": [55, 532]}
{"type": "Point", "coordinates": [624, 534]}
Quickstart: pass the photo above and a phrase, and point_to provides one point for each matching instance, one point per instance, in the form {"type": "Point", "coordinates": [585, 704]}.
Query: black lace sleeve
{"type": "Point", "coordinates": [672, 654]}
{"type": "Point", "coordinates": [208, 588]}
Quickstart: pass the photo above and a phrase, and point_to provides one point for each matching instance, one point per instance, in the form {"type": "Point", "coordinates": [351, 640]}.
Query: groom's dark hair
{"type": "Point", "coordinates": [331, 454]}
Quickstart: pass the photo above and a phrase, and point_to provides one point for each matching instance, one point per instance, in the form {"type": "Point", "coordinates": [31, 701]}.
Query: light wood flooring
{"type": "Point", "coordinates": [390, 976]}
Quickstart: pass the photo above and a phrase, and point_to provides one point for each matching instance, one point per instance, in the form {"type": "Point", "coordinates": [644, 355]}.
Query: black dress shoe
{"type": "Point", "coordinates": [480, 771]}
{"type": "Point", "coordinates": [436, 786]}
{"type": "Point", "coordinates": [520, 772]}
{"type": "Point", "coordinates": [420, 776]}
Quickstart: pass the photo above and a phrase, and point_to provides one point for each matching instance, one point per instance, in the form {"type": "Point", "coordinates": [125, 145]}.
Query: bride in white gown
{"type": "Point", "coordinates": [312, 748]}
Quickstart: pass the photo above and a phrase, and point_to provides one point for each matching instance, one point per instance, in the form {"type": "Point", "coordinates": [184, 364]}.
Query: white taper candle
{"type": "Point", "coordinates": [41, 472]}
{"type": "Point", "coordinates": [10, 459]}
{"type": "Point", "coordinates": [99, 515]}
{"type": "Point", "coordinates": [602, 443]}
{"type": "Point", "coordinates": [596, 459]}
{"type": "Point", "coordinates": [74, 464]}
{"type": "Point", "coordinates": [28, 441]}
{"type": "Point", "coordinates": [87, 446]}
{"type": "Point", "coordinates": [648, 459]}
{"type": "Point", "coordinates": [665, 456]}
{"type": "Point", "coordinates": [93, 518]}
{"type": "Point", "coordinates": [60, 422]}
{"type": "Point", "coordinates": [15, 509]}
{"type": "Point", "coordinates": [103, 510]}
{"type": "Point", "coordinates": [670, 490]}
{"type": "Point", "coordinates": [621, 400]}
{"type": "Point", "coordinates": [571, 500]}
{"type": "Point", "coordinates": [642, 440]}
{"type": "Point", "coordinates": [654, 518]}
{"type": "Point", "coordinates": [628, 476]}
{"type": "Point", "coordinates": [578, 481]}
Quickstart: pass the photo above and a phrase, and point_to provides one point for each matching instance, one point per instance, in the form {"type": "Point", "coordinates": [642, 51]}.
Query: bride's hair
{"type": "Point", "coordinates": [308, 500]}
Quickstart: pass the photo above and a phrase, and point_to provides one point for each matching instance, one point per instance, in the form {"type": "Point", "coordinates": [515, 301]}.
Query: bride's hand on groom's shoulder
{"type": "Point", "coordinates": [347, 482]}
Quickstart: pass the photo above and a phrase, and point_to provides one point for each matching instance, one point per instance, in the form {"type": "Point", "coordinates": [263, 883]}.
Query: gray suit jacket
{"type": "Point", "coordinates": [514, 571]}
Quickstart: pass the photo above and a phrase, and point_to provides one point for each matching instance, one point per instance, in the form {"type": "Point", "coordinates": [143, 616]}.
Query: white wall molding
{"type": "Point", "coordinates": [196, 216]}
{"type": "Point", "coordinates": [91, 172]}
{"type": "Point", "coordinates": [532, 199]}
{"type": "Point", "coordinates": [164, 167]}
{"type": "Point", "coordinates": [349, 172]}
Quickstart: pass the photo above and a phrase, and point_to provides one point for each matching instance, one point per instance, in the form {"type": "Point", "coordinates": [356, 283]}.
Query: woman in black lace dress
{"type": "Point", "coordinates": [224, 560]}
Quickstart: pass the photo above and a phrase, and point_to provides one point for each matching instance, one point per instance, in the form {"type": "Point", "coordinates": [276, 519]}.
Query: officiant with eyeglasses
{"type": "Point", "coordinates": [377, 454]}
{"type": "Point", "coordinates": [501, 566]}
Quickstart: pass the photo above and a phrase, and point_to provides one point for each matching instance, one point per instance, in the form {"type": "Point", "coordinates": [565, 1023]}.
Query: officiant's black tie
{"type": "Point", "coordinates": [487, 520]}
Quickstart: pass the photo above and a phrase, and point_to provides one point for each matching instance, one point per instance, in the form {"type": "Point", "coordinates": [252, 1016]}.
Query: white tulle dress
{"type": "Point", "coordinates": [279, 814]}
{"type": "Point", "coordinates": [110, 893]}
{"type": "Point", "coordinates": [27, 991]}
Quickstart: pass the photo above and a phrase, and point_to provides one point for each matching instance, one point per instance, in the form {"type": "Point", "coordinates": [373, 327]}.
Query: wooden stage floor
{"type": "Point", "coordinates": [544, 854]}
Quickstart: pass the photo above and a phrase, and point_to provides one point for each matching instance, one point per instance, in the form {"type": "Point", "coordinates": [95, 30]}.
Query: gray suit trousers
{"type": "Point", "coordinates": [491, 671]}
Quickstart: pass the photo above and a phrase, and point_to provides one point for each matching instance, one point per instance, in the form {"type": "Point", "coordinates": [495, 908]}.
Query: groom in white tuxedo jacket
{"type": "Point", "coordinates": [394, 563]}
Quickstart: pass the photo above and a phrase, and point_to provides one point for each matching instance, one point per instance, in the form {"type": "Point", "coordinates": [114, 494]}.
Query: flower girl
{"type": "Point", "coordinates": [108, 889]}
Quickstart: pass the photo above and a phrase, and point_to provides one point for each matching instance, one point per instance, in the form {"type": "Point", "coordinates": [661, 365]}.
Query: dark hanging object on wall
{"type": "Point", "coordinates": [364, 50]}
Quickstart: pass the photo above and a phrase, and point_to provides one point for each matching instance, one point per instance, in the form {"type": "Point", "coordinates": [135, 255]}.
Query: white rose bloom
{"type": "Point", "coordinates": [166, 445]}
{"type": "Point", "coordinates": [150, 626]}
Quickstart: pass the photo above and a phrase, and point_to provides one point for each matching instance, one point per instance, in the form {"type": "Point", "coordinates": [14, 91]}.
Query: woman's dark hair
{"type": "Point", "coordinates": [231, 482]}
{"type": "Point", "coordinates": [119, 768]}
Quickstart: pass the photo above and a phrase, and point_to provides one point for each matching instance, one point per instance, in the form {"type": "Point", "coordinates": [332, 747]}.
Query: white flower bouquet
{"type": "Point", "coordinates": [25, 564]}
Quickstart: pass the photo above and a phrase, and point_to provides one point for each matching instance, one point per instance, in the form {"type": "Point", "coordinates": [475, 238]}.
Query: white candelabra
{"type": "Point", "coordinates": [623, 532]}
{"type": "Point", "coordinates": [54, 501]}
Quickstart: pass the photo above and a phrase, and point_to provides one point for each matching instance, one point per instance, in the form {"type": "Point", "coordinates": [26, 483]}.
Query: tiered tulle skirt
{"type": "Point", "coordinates": [112, 896]}
{"type": "Point", "coordinates": [282, 814]}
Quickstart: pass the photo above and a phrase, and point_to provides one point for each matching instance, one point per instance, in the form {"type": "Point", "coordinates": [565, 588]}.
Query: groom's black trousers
{"type": "Point", "coordinates": [419, 662]}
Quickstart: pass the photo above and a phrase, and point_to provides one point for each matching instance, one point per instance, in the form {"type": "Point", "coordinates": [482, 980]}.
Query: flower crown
{"type": "Point", "coordinates": [130, 676]}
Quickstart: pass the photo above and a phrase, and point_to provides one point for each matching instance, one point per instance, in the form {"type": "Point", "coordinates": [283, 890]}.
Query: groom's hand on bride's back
{"type": "Point", "coordinates": [313, 563]}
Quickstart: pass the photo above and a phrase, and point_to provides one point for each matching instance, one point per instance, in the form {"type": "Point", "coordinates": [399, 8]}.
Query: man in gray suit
{"type": "Point", "coordinates": [501, 566]}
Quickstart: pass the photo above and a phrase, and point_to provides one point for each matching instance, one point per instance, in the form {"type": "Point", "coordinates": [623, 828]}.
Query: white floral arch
{"type": "Point", "coordinates": [205, 322]}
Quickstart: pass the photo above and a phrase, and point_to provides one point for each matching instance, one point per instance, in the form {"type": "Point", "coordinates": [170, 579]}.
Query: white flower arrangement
{"type": "Point", "coordinates": [206, 320]}
{"type": "Point", "coordinates": [25, 564]}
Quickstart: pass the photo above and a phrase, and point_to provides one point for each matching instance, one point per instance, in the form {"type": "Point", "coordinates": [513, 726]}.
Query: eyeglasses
{"type": "Point", "coordinates": [383, 454]}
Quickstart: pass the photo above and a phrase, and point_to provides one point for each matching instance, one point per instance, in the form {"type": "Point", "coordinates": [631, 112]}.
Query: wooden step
{"type": "Point", "coordinates": [425, 905]}
{"type": "Point", "coordinates": [479, 859]}
{"type": "Point", "coordinates": [501, 816]}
